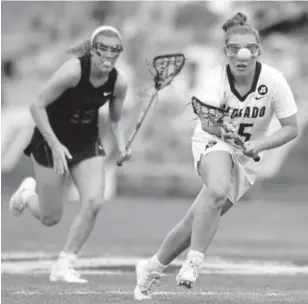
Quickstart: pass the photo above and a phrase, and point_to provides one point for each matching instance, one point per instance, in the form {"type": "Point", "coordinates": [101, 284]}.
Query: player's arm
{"type": "Point", "coordinates": [115, 112]}
{"type": "Point", "coordinates": [287, 132]}
{"type": "Point", "coordinates": [66, 77]}
{"type": "Point", "coordinates": [286, 111]}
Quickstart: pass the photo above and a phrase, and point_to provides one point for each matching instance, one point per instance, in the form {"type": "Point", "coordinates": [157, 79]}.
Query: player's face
{"type": "Point", "coordinates": [106, 51]}
{"type": "Point", "coordinates": [242, 65]}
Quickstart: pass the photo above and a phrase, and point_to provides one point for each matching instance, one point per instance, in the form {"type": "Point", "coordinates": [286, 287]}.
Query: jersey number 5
{"type": "Point", "coordinates": [241, 131]}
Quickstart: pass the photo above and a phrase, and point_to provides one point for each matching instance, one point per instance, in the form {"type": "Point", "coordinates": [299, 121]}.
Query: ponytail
{"type": "Point", "coordinates": [80, 49]}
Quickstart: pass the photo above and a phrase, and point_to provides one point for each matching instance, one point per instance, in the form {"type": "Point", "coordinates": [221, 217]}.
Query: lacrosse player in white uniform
{"type": "Point", "coordinates": [252, 93]}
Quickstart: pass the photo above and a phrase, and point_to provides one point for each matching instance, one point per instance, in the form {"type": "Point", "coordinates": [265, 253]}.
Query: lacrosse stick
{"type": "Point", "coordinates": [216, 116]}
{"type": "Point", "coordinates": [166, 68]}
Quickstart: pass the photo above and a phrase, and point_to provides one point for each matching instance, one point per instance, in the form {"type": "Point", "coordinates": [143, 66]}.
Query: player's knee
{"type": "Point", "coordinates": [51, 220]}
{"type": "Point", "coordinates": [94, 203]}
{"type": "Point", "coordinates": [218, 193]}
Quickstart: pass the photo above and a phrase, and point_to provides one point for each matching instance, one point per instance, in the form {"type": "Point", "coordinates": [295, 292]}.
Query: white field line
{"type": "Point", "coordinates": [24, 255]}
{"type": "Point", "coordinates": [211, 293]}
{"type": "Point", "coordinates": [211, 265]}
{"type": "Point", "coordinates": [160, 293]}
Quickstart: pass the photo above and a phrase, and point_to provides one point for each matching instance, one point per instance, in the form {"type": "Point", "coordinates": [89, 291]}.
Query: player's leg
{"type": "Point", "coordinates": [215, 169]}
{"type": "Point", "coordinates": [176, 242]}
{"type": "Point", "coordinates": [149, 270]}
{"type": "Point", "coordinates": [179, 238]}
{"type": "Point", "coordinates": [42, 195]}
{"type": "Point", "coordinates": [109, 144]}
{"type": "Point", "coordinates": [71, 193]}
{"type": "Point", "coordinates": [108, 141]}
{"type": "Point", "coordinates": [89, 178]}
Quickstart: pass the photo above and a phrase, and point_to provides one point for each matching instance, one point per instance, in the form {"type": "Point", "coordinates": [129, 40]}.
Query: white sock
{"type": "Point", "coordinates": [195, 255]}
{"type": "Point", "coordinates": [156, 265]}
{"type": "Point", "coordinates": [66, 259]}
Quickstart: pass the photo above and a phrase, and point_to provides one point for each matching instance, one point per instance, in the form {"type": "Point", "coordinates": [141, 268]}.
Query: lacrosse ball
{"type": "Point", "coordinates": [244, 54]}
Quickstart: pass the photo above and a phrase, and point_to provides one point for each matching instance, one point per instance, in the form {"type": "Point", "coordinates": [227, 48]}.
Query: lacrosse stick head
{"type": "Point", "coordinates": [166, 68]}
{"type": "Point", "coordinates": [209, 115]}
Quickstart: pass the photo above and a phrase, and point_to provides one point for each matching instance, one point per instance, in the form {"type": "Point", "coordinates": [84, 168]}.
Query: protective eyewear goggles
{"type": "Point", "coordinates": [233, 48]}
{"type": "Point", "coordinates": [103, 48]}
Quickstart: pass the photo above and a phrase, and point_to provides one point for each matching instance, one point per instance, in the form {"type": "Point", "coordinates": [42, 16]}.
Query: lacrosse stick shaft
{"type": "Point", "coordinates": [240, 142]}
{"type": "Point", "coordinates": [212, 114]}
{"type": "Point", "coordinates": [138, 125]}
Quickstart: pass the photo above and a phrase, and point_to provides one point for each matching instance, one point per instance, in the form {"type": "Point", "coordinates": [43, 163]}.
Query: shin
{"type": "Point", "coordinates": [89, 179]}
{"type": "Point", "coordinates": [83, 224]}
{"type": "Point", "coordinates": [179, 238]}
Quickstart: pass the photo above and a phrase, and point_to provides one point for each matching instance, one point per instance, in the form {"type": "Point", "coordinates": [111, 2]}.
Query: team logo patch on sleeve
{"type": "Point", "coordinates": [262, 89]}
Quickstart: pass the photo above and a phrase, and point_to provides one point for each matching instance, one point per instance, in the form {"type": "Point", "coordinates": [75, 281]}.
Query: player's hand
{"type": "Point", "coordinates": [124, 155]}
{"type": "Point", "coordinates": [227, 134]}
{"type": "Point", "coordinates": [229, 131]}
{"type": "Point", "coordinates": [252, 148]}
{"type": "Point", "coordinates": [59, 155]}
{"type": "Point", "coordinates": [127, 154]}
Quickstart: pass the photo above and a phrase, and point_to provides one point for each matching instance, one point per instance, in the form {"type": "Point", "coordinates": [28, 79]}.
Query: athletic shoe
{"type": "Point", "coordinates": [188, 274]}
{"type": "Point", "coordinates": [17, 203]}
{"type": "Point", "coordinates": [145, 279]}
{"type": "Point", "coordinates": [65, 274]}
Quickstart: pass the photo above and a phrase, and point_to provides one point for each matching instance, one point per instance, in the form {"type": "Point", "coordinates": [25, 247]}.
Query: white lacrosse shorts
{"type": "Point", "coordinates": [245, 169]}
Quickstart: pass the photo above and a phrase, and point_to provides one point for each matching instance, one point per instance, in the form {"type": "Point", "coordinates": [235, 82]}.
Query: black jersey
{"type": "Point", "coordinates": [73, 116]}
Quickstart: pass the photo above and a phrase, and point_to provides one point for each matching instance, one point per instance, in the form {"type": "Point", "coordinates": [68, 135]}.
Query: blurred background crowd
{"type": "Point", "coordinates": [35, 38]}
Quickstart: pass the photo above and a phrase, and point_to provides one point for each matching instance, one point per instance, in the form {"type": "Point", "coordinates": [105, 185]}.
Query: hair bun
{"type": "Point", "coordinates": [238, 19]}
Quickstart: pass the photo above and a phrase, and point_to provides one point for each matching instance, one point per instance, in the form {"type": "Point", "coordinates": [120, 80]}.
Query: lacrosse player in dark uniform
{"type": "Point", "coordinates": [66, 140]}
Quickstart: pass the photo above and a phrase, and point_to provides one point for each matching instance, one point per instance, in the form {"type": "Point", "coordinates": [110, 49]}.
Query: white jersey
{"type": "Point", "coordinates": [269, 96]}
{"type": "Point", "coordinates": [252, 115]}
